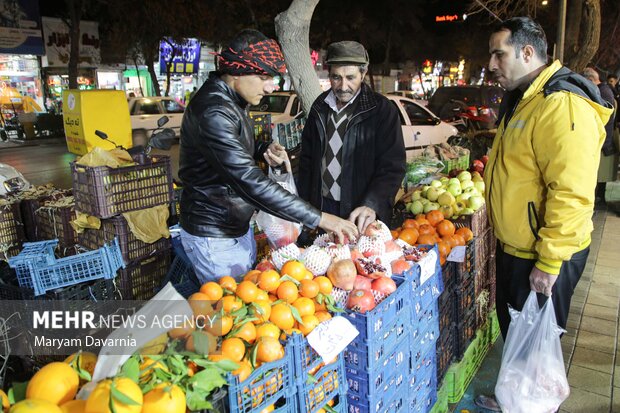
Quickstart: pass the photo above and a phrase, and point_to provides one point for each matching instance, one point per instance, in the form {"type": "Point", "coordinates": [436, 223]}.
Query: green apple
{"type": "Point", "coordinates": [432, 194]}
{"type": "Point", "coordinates": [471, 190]}
{"type": "Point", "coordinates": [463, 197]}
{"type": "Point", "coordinates": [455, 189]}
{"type": "Point", "coordinates": [424, 201]}
{"type": "Point", "coordinates": [475, 202]}
{"type": "Point", "coordinates": [446, 199]}
{"type": "Point", "coordinates": [444, 180]}
{"type": "Point", "coordinates": [436, 183]}
{"type": "Point", "coordinates": [417, 194]}
{"type": "Point", "coordinates": [480, 186]}
{"type": "Point", "coordinates": [441, 191]}
{"type": "Point", "coordinates": [464, 176]}
{"type": "Point", "coordinates": [446, 210]}
{"type": "Point", "coordinates": [466, 211]}
{"type": "Point", "coordinates": [467, 184]}
{"type": "Point", "coordinates": [453, 181]}
{"type": "Point", "coordinates": [416, 207]}
{"type": "Point", "coordinates": [431, 206]}
{"type": "Point", "coordinates": [475, 176]}
{"type": "Point", "coordinates": [459, 206]}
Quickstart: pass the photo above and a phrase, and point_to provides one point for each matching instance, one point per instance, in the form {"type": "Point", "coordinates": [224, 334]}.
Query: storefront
{"type": "Point", "coordinates": [21, 72]}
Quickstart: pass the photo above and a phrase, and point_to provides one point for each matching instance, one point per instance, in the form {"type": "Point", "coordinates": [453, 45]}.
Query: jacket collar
{"type": "Point", "coordinates": [225, 90]}
{"type": "Point", "coordinates": [366, 98]}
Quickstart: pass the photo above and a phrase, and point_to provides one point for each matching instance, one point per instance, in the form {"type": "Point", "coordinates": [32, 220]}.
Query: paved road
{"type": "Point", "coordinates": [48, 160]}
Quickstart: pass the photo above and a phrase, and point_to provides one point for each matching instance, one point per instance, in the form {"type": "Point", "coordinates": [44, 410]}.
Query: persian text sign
{"type": "Point", "coordinates": [58, 43]}
{"type": "Point", "coordinates": [185, 58]}
{"type": "Point", "coordinates": [20, 27]}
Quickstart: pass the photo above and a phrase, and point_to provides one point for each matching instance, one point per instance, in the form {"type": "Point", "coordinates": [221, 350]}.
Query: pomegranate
{"type": "Point", "coordinates": [413, 254]}
{"type": "Point", "coordinates": [342, 274]}
{"type": "Point", "coordinates": [392, 246]}
{"type": "Point", "coordinates": [362, 283]}
{"type": "Point", "coordinates": [485, 159]}
{"type": "Point", "coordinates": [369, 268]}
{"type": "Point", "coordinates": [355, 254]}
{"type": "Point", "coordinates": [361, 301]}
{"type": "Point", "coordinates": [384, 285]}
{"type": "Point", "coordinates": [265, 265]}
{"type": "Point", "coordinates": [374, 229]}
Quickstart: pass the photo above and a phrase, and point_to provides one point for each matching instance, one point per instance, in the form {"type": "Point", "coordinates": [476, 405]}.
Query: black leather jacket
{"type": "Point", "coordinates": [373, 155]}
{"type": "Point", "coordinates": [222, 185]}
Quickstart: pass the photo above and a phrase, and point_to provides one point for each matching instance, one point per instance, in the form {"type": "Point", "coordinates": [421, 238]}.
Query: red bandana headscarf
{"type": "Point", "coordinates": [262, 58]}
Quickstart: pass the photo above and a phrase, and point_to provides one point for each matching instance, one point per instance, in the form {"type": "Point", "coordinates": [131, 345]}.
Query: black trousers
{"type": "Point", "coordinates": [513, 285]}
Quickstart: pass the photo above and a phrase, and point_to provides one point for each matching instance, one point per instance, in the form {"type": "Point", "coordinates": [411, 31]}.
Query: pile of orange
{"type": "Point", "coordinates": [432, 229]}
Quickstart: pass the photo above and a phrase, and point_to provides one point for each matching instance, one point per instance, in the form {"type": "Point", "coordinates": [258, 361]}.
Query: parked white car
{"type": "Point", "coordinates": [282, 106]}
{"type": "Point", "coordinates": [420, 126]}
{"type": "Point", "coordinates": [146, 111]}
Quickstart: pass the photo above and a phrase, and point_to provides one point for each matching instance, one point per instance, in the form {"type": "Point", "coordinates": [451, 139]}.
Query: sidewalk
{"type": "Point", "coordinates": [19, 143]}
{"type": "Point", "coordinates": [591, 345]}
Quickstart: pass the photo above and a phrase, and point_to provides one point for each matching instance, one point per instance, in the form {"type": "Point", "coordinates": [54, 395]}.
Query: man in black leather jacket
{"type": "Point", "coordinates": [222, 185]}
{"type": "Point", "coordinates": [352, 159]}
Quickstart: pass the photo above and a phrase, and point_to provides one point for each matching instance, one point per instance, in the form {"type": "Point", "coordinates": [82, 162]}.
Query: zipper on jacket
{"type": "Point", "coordinates": [322, 155]}
{"type": "Point", "coordinates": [531, 213]}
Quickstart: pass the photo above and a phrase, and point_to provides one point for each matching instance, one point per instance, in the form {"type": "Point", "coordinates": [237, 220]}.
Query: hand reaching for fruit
{"type": "Point", "coordinates": [362, 216]}
{"type": "Point", "coordinates": [340, 228]}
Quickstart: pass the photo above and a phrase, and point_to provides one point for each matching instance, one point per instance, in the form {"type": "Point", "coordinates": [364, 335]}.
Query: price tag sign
{"type": "Point", "coordinates": [330, 337]}
{"type": "Point", "coordinates": [457, 254]}
{"type": "Point", "coordinates": [427, 266]}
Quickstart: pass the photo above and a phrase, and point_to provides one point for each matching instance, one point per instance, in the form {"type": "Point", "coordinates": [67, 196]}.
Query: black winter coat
{"type": "Point", "coordinates": [373, 155]}
{"type": "Point", "coordinates": [222, 185]}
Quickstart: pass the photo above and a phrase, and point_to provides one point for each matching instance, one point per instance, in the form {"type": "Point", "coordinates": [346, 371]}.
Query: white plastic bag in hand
{"type": "Point", "coordinates": [532, 378]}
{"type": "Point", "coordinates": [279, 232]}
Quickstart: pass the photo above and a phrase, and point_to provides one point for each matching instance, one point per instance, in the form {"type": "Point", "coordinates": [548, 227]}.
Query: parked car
{"type": "Point", "coordinates": [146, 111]}
{"type": "Point", "coordinates": [411, 95]}
{"type": "Point", "coordinates": [420, 126]}
{"type": "Point", "coordinates": [479, 104]}
{"type": "Point", "coordinates": [282, 106]}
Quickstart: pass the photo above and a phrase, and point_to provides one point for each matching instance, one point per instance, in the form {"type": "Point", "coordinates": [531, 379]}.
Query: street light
{"type": "Point", "coordinates": [545, 2]}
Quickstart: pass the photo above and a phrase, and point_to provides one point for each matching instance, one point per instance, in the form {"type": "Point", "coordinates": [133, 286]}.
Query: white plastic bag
{"type": "Point", "coordinates": [279, 232]}
{"type": "Point", "coordinates": [532, 378]}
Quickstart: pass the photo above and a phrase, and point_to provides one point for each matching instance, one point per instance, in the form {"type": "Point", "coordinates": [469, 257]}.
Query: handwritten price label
{"type": "Point", "coordinates": [330, 337]}
{"type": "Point", "coordinates": [457, 254]}
{"type": "Point", "coordinates": [427, 266]}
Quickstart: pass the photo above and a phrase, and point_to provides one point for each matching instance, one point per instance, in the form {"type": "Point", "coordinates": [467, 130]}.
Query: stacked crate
{"type": "Point", "coordinates": [106, 193]}
{"type": "Point", "coordinates": [53, 221]}
{"type": "Point", "coordinates": [11, 228]}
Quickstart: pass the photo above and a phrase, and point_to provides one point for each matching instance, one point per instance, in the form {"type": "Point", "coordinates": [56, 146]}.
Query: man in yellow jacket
{"type": "Point", "coordinates": [542, 170]}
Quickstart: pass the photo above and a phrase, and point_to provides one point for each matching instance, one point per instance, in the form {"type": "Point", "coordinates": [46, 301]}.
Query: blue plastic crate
{"type": "Point", "coordinates": [182, 276]}
{"type": "Point", "coordinates": [33, 252]}
{"type": "Point", "coordinates": [381, 402]}
{"type": "Point", "coordinates": [329, 383]}
{"type": "Point", "coordinates": [376, 323]}
{"type": "Point", "coordinates": [425, 327]}
{"type": "Point", "coordinates": [364, 382]}
{"type": "Point", "coordinates": [271, 383]}
{"type": "Point", "coordinates": [372, 354]}
{"type": "Point", "coordinates": [62, 272]}
{"type": "Point", "coordinates": [423, 392]}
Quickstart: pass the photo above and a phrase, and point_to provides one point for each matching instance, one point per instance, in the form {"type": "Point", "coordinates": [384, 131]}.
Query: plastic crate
{"type": "Point", "coordinates": [425, 329]}
{"type": "Point", "coordinates": [426, 295]}
{"type": "Point", "coordinates": [392, 394]}
{"type": "Point", "coordinates": [218, 401]}
{"type": "Point", "coordinates": [132, 248]}
{"type": "Point", "coordinates": [482, 248]}
{"type": "Point", "coordinates": [448, 275]}
{"type": "Point", "coordinates": [478, 222]}
{"type": "Point", "coordinates": [104, 192]}
{"type": "Point", "coordinates": [465, 269]}
{"type": "Point", "coordinates": [441, 404]}
{"type": "Point", "coordinates": [491, 244]}
{"type": "Point", "coordinates": [55, 273]}
{"type": "Point", "coordinates": [55, 223]}
{"type": "Point", "coordinates": [39, 253]}
{"type": "Point", "coordinates": [11, 228]}
{"type": "Point", "coordinates": [423, 385]}
{"type": "Point", "coordinates": [465, 298]}
{"type": "Point", "coordinates": [364, 382]}
{"type": "Point", "coordinates": [326, 384]}
{"type": "Point", "coordinates": [446, 351]}
{"type": "Point", "coordinates": [373, 354]}
{"type": "Point", "coordinates": [460, 374]}
{"type": "Point", "coordinates": [271, 383]}
{"type": "Point", "coordinates": [142, 279]}
{"type": "Point", "coordinates": [462, 162]}
{"type": "Point", "coordinates": [376, 323]}
{"type": "Point", "coordinates": [466, 332]}
{"type": "Point", "coordinates": [493, 327]}
{"type": "Point", "coordinates": [28, 206]}
{"type": "Point", "coordinates": [447, 309]}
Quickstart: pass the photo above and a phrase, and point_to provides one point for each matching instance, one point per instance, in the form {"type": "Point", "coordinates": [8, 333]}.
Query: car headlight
{"type": "Point", "coordinates": [14, 184]}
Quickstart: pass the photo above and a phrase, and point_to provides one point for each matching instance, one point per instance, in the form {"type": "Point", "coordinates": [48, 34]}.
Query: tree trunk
{"type": "Point", "coordinates": [75, 12]}
{"type": "Point", "coordinates": [149, 59]}
{"type": "Point", "coordinates": [588, 36]}
{"type": "Point", "coordinates": [573, 22]}
{"type": "Point", "coordinates": [388, 47]}
{"type": "Point", "coordinates": [135, 62]}
{"type": "Point", "coordinates": [293, 32]}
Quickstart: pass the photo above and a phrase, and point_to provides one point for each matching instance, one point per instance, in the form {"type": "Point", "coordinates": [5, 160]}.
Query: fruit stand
{"type": "Point", "coordinates": [397, 320]}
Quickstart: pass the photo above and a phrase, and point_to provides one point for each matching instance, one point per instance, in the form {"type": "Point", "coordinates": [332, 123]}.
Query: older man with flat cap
{"type": "Point", "coordinates": [222, 185]}
{"type": "Point", "coordinates": [352, 155]}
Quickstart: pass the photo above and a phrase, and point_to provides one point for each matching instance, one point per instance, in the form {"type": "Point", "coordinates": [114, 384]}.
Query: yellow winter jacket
{"type": "Point", "coordinates": [541, 173]}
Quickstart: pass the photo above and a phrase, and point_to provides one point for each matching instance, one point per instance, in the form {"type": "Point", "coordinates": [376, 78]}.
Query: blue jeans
{"type": "Point", "coordinates": [214, 258]}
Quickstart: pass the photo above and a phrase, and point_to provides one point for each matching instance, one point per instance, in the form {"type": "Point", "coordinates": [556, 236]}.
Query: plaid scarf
{"type": "Point", "coordinates": [262, 58]}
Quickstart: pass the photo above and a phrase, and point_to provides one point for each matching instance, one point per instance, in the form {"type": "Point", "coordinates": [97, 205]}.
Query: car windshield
{"type": "Point", "coordinates": [271, 103]}
{"type": "Point", "coordinates": [172, 106]}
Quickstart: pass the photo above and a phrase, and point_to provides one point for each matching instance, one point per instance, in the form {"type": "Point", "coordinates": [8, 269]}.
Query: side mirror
{"type": "Point", "coordinates": [162, 121]}
{"type": "Point", "coordinates": [163, 140]}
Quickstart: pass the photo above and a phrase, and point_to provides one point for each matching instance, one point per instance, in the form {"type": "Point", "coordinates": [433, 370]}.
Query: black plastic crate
{"type": "Point", "coordinates": [492, 279]}
{"type": "Point", "coordinates": [142, 279]}
{"type": "Point", "coordinates": [465, 298]}
{"type": "Point", "coordinates": [446, 352]}
{"type": "Point", "coordinates": [465, 332]}
{"type": "Point", "coordinates": [131, 247]}
{"type": "Point", "coordinates": [98, 290]}
{"type": "Point", "coordinates": [104, 192]}
{"type": "Point", "coordinates": [55, 223]}
{"type": "Point", "coordinates": [467, 267]}
{"type": "Point", "coordinates": [28, 206]}
{"type": "Point", "coordinates": [447, 309]}
{"type": "Point", "coordinates": [11, 227]}
{"type": "Point", "coordinates": [448, 275]}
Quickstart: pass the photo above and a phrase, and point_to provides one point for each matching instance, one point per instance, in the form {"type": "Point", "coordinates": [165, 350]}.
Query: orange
{"type": "Point", "coordinates": [73, 406]}
{"type": "Point", "coordinates": [148, 367]}
{"type": "Point", "coordinates": [252, 275]}
{"type": "Point", "coordinates": [426, 239]}
{"type": "Point", "coordinates": [229, 304]}
{"type": "Point", "coordinates": [269, 349]}
{"type": "Point", "coordinates": [246, 331]}
{"type": "Point", "coordinates": [282, 316]}
{"type": "Point", "coordinates": [323, 316]}
{"type": "Point", "coordinates": [220, 325]}
{"type": "Point", "coordinates": [304, 305]}
{"type": "Point", "coordinates": [233, 348]}
{"type": "Point", "coordinates": [213, 290]}
{"type": "Point", "coordinates": [325, 285]}
{"type": "Point", "coordinates": [466, 233]}
{"type": "Point", "coordinates": [444, 248]}
{"type": "Point", "coordinates": [410, 223]}
{"type": "Point", "coordinates": [99, 399]}
{"type": "Point", "coordinates": [262, 295]}
{"type": "Point", "coordinates": [434, 217]}
{"type": "Point", "coordinates": [450, 240]}
{"type": "Point", "coordinates": [309, 323]}
{"type": "Point", "coordinates": [182, 332]}
{"type": "Point", "coordinates": [308, 275]}
{"type": "Point", "coordinates": [295, 269]}
{"type": "Point", "coordinates": [421, 221]}
{"type": "Point", "coordinates": [426, 229]}
{"type": "Point", "coordinates": [445, 227]}
{"type": "Point", "coordinates": [56, 383]}
{"type": "Point", "coordinates": [308, 288]}
{"type": "Point", "coordinates": [272, 298]}
{"type": "Point", "coordinates": [244, 370]}
{"type": "Point", "coordinates": [165, 397]}
{"type": "Point", "coordinates": [261, 310]}
{"type": "Point", "coordinates": [247, 291]}
{"type": "Point", "coordinates": [35, 406]}
{"type": "Point", "coordinates": [269, 280]}
{"type": "Point", "coordinates": [200, 306]}
{"type": "Point", "coordinates": [269, 408]}
{"type": "Point", "coordinates": [87, 360]}
{"type": "Point", "coordinates": [289, 332]}
{"type": "Point", "coordinates": [409, 235]}
{"type": "Point", "coordinates": [460, 241]}
{"type": "Point", "coordinates": [267, 330]}
{"type": "Point", "coordinates": [287, 291]}
{"type": "Point", "coordinates": [5, 401]}
{"type": "Point", "coordinates": [394, 233]}
{"type": "Point", "coordinates": [319, 307]}
{"type": "Point", "coordinates": [228, 283]}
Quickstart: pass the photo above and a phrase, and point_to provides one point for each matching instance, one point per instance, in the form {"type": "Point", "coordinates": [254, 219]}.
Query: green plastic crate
{"type": "Point", "coordinates": [441, 405]}
{"type": "Point", "coordinates": [461, 162]}
{"type": "Point", "coordinates": [494, 330]}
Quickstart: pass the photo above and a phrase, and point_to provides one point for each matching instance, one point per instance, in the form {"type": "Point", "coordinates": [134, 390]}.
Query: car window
{"type": "Point", "coordinates": [402, 119]}
{"type": "Point", "coordinates": [172, 106]}
{"type": "Point", "coordinates": [271, 103]}
{"type": "Point", "coordinates": [295, 109]}
{"type": "Point", "coordinates": [417, 115]}
{"type": "Point", "coordinates": [147, 108]}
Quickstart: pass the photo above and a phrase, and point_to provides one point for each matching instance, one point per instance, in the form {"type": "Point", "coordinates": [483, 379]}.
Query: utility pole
{"type": "Point", "coordinates": [559, 49]}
